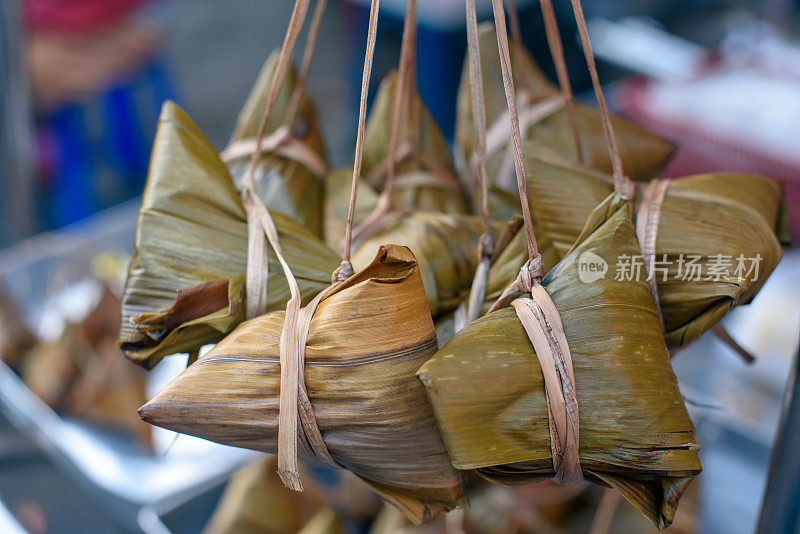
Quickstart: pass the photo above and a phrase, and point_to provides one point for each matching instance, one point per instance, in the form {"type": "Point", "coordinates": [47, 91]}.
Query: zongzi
{"type": "Point", "coordinates": [446, 247]}
{"type": "Point", "coordinates": [186, 278]}
{"type": "Point", "coordinates": [289, 178]}
{"type": "Point", "coordinates": [367, 338]}
{"type": "Point", "coordinates": [715, 238]}
{"type": "Point", "coordinates": [425, 178]}
{"type": "Point", "coordinates": [634, 432]}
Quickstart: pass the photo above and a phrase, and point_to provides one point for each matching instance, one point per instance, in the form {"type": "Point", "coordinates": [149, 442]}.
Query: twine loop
{"type": "Point", "coordinates": [535, 309]}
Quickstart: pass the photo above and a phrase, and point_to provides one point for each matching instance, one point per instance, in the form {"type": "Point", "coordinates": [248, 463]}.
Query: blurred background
{"type": "Point", "coordinates": [81, 86]}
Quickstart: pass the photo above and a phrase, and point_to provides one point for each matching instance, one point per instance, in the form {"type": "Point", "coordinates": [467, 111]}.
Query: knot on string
{"type": "Point", "coordinates": [625, 187]}
{"type": "Point", "coordinates": [485, 246]}
{"type": "Point", "coordinates": [531, 273]}
{"type": "Point", "coordinates": [343, 272]}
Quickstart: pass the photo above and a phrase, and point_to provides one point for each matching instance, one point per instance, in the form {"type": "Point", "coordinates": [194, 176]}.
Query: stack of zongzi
{"type": "Point", "coordinates": [366, 340]}
{"type": "Point", "coordinates": [185, 284]}
{"type": "Point", "coordinates": [635, 433]}
{"type": "Point", "coordinates": [544, 119]}
{"type": "Point", "coordinates": [289, 178]}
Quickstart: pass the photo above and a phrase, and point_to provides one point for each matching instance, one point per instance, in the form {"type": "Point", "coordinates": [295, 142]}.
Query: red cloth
{"type": "Point", "coordinates": [75, 16]}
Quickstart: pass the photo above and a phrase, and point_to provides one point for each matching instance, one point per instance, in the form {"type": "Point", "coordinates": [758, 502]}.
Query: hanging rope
{"type": "Point", "coordinates": [557, 53]}
{"type": "Point", "coordinates": [486, 246]}
{"type": "Point", "coordinates": [294, 407]}
{"type": "Point", "coordinates": [308, 57]}
{"type": "Point", "coordinates": [535, 261]}
{"type": "Point", "coordinates": [535, 309]}
{"type": "Point", "coordinates": [404, 99]}
{"type": "Point", "coordinates": [622, 184]}
{"type": "Point", "coordinates": [345, 270]}
{"type": "Point", "coordinates": [258, 218]}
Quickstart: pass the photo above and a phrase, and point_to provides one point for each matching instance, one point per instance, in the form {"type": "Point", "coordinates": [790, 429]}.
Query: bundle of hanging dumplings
{"type": "Point", "coordinates": [240, 367]}
{"type": "Point", "coordinates": [186, 288]}
{"type": "Point", "coordinates": [377, 393]}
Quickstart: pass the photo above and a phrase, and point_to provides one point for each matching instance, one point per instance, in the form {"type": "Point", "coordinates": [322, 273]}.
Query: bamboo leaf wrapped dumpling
{"type": "Point", "coordinates": [185, 283]}
{"type": "Point", "coordinates": [425, 178]}
{"type": "Point", "coordinates": [643, 152]}
{"type": "Point", "coordinates": [705, 218]}
{"type": "Point", "coordinates": [288, 179]}
{"type": "Point", "coordinates": [635, 433]}
{"type": "Point", "coordinates": [368, 337]}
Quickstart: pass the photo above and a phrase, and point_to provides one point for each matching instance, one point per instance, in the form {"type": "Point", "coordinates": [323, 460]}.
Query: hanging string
{"type": "Point", "coordinates": [513, 19]}
{"type": "Point", "coordinates": [537, 312]}
{"type": "Point", "coordinates": [403, 98]}
{"type": "Point", "coordinates": [345, 270]}
{"type": "Point", "coordinates": [622, 183]}
{"type": "Point", "coordinates": [557, 53]}
{"type": "Point", "coordinates": [259, 221]}
{"type": "Point", "coordinates": [534, 265]}
{"type": "Point", "coordinates": [294, 406]}
{"type": "Point", "coordinates": [486, 246]}
{"type": "Point", "coordinates": [308, 57]}
{"type": "Point", "coordinates": [284, 58]}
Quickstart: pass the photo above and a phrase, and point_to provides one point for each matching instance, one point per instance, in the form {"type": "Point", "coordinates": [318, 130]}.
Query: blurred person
{"type": "Point", "coordinates": [97, 82]}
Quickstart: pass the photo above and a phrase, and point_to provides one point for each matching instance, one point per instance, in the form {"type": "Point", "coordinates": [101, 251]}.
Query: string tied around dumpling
{"type": "Point", "coordinates": [296, 422]}
{"type": "Point", "coordinates": [535, 309]}
{"type": "Point", "coordinates": [647, 222]}
{"type": "Point", "coordinates": [343, 272]}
